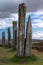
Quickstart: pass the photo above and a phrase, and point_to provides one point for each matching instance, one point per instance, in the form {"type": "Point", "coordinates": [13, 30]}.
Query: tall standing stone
{"type": "Point", "coordinates": [14, 34]}
{"type": "Point", "coordinates": [9, 37]}
{"type": "Point", "coordinates": [28, 50]}
{"type": "Point", "coordinates": [21, 29]}
{"type": "Point", "coordinates": [3, 39]}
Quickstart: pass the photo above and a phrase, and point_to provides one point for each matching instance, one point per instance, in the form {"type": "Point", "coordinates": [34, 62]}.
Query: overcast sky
{"type": "Point", "coordinates": [9, 13]}
{"type": "Point", "coordinates": [7, 7]}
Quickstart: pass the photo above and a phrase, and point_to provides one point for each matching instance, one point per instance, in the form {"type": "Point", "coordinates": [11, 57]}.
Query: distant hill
{"type": "Point", "coordinates": [33, 41]}
{"type": "Point", "coordinates": [37, 40]}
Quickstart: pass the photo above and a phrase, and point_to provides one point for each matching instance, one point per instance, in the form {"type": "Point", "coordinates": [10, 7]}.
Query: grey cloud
{"type": "Point", "coordinates": [11, 6]}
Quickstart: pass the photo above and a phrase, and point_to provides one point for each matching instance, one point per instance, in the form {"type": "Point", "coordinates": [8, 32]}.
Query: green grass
{"type": "Point", "coordinates": [24, 59]}
{"type": "Point", "coordinates": [8, 57]}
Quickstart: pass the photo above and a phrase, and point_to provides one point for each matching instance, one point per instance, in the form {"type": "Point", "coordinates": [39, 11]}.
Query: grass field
{"type": "Point", "coordinates": [7, 53]}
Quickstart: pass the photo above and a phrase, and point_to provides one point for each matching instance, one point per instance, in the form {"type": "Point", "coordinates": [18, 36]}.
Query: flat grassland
{"type": "Point", "coordinates": [7, 53]}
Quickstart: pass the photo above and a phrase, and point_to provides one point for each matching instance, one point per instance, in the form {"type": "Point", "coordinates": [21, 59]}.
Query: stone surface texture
{"type": "Point", "coordinates": [9, 37]}
{"type": "Point", "coordinates": [3, 39]}
{"type": "Point", "coordinates": [14, 34]}
{"type": "Point", "coordinates": [21, 29]}
{"type": "Point", "coordinates": [28, 50]}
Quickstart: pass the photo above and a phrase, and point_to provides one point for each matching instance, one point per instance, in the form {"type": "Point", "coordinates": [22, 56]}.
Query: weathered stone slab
{"type": "Point", "coordinates": [21, 29]}
{"type": "Point", "coordinates": [14, 34]}
{"type": "Point", "coordinates": [3, 39]}
{"type": "Point", "coordinates": [9, 37]}
{"type": "Point", "coordinates": [28, 50]}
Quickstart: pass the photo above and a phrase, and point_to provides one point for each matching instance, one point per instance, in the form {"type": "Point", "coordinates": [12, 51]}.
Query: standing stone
{"type": "Point", "coordinates": [14, 34]}
{"type": "Point", "coordinates": [21, 30]}
{"type": "Point", "coordinates": [28, 51]}
{"type": "Point", "coordinates": [9, 37]}
{"type": "Point", "coordinates": [3, 39]}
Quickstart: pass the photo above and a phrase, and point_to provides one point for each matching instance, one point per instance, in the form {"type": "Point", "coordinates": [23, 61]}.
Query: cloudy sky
{"type": "Point", "coordinates": [9, 13]}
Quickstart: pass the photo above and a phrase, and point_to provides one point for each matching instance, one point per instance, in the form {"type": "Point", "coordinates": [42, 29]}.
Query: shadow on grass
{"type": "Point", "coordinates": [18, 59]}
{"type": "Point", "coordinates": [24, 59]}
{"type": "Point", "coordinates": [6, 47]}
{"type": "Point", "coordinates": [12, 50]}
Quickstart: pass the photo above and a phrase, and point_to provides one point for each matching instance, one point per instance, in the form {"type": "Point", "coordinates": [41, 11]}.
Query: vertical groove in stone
{"type": "Point", "coordinates": [21, 29]}
{"type": "Point", "coordinates": [3, 39]}
{"type": "Point", "coordinates": [28, 38]}
{"type": "Point", "coordinates": [9, 37]}
{"type": "Point", "coordinates": [14, 34]}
